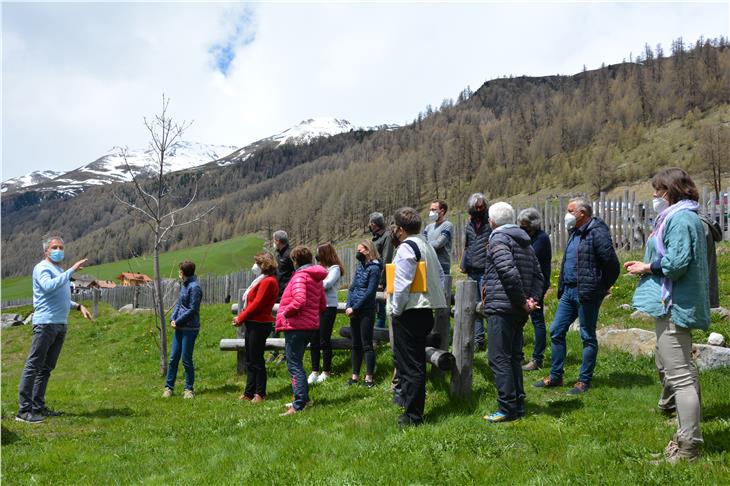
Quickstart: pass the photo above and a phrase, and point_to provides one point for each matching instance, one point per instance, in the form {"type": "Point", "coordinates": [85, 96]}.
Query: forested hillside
{"type": "Point", "coordinates": [512, 135]}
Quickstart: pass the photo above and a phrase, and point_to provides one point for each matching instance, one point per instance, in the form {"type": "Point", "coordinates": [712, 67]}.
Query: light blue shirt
{"type": "Point", "coordinates": [51, 294]}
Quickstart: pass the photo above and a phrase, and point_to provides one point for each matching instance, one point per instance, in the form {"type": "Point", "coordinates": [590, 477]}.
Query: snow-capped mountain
{"type": "Point", "coordinates": [301, 133]}
{"type": "Point", "coordinates": [111, 167]}
{"type": "Point", "coordinates": [37, 177]}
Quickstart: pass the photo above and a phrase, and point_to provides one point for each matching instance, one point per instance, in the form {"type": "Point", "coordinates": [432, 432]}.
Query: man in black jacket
{"type": "Point", "coordinates": [284, 271]}
{"type": "Point", "coordinates": [590, 267]}
{"type": "Point", "coordinates": [513, 285]}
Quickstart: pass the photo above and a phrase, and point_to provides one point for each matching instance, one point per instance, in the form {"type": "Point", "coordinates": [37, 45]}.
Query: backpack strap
{"type": "Point", "coordinates": [415, 249]}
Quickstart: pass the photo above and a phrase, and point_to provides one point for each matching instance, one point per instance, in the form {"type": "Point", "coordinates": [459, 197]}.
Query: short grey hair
{"type": "Point", "coordinates": [584, 204]}
{"type": "Point", "coordinates": [48, 239]}
{"type": "Point", "coordinates": [501, 213]}
{"type": "Point", "coordinates": [530, 218]}
{"type": "Point", "coordinates": [377, 218]}
{"type": "Point", "coordinates": [474, 199]}
{"type": "Point", "coordinates": [280, 235]}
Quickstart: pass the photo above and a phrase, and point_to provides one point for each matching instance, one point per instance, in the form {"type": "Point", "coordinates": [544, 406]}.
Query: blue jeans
{"type": "Point", "coordinates": [569, 308]}
{"type": "Point", "coordinates": [295, 343]}
{"type": "Point", "coordinates": [183, 342]}
{"type": "Point", "coordinates": [44, 351]}
{"type": "Point", "coordinates": [479, 321]}
{"type": "Point", "coordinates": [380, 315]}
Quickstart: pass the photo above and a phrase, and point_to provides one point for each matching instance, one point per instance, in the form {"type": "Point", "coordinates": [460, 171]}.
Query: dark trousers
{"type": "Point", "coordinates": [538, 323]}
{"type": "Point", "coordinates": [322, 340]}
{"type": "Point", "coordinates": [380, 320]}
{"type": "Point", "coordinates": [361, 324]}
{"type": "Point", "coordinates": [256, 334]}
{"type": "Point", "coordinates": [409, 350]}
{"type": "Point", "coordinates": [295, 344]}
{"type": "Point", "coordinates": [478, 321]}
{"type": "Point", "coordinates": [44, 351]}
{"type": "Point", "coordinates": [504, 350]}
{"type": "Point", "coordinates": [183, 343]}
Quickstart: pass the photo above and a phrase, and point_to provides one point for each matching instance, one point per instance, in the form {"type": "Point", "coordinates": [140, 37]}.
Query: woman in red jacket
{"type": "Point", "coordinates": [257, 303]}
{"type": "Point", "coordinates": [298, 316]}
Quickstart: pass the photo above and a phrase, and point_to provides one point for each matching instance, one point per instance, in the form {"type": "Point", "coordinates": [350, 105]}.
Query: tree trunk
{"type": "Point", "coordinates": [160, 311]}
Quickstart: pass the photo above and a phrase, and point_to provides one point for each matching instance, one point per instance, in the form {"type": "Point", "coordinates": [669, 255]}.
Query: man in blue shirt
{"type": "Point", "coordinates": [52, 303]}
{"type": "Point", "coordinates": [590, 267]}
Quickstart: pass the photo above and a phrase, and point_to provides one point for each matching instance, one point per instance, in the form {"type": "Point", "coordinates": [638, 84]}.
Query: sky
{"type": "Point", "coordinates": [79, 78]}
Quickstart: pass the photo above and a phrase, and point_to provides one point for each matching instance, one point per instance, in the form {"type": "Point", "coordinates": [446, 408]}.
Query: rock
{"type": "Point", "coordinates": [575, 326]}
{"type": "Point", "coordinates": [626, 307]}
{"type": "Point", "coordinates": [721, 311]}
{"type": "Point", "coordinates": [28, 319]}
{"type": "Point", "coordinates": [638, 342]}
{"type": "Point", "coordinates": [709, 357]}
{"type": "Point", "coordinates": [641, 315]}
{"type": "Point", "coordinates": [10, 320]}
{"type": "Point", "coordinates": [716, 339]}
{"type": "Point", "coordinates": [128, 309]}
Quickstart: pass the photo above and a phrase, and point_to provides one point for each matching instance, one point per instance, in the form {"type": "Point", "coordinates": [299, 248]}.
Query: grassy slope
{"type": "Point", "coordinates": [118, 430]}
{"type": "Point", "coordinates": [215, 259]}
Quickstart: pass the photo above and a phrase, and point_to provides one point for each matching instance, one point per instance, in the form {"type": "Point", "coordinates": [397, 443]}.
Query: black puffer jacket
{"type": "Point", "coordinates": [284, 269]}
{"type": "Point", "coordinates": [512, 274]}
{"type": "Point", "coordinates": [597, 266]}
{"type": "Point", "coordinates": [475, 246]}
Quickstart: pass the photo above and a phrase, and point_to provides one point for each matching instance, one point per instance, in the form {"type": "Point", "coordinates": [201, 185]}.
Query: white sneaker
{"type": "Point", "coordinates": [313, 377]}
{"type": "Point", "coordinates": [322, 377]}
{"type": "Point", "coordinates": [289, 405]}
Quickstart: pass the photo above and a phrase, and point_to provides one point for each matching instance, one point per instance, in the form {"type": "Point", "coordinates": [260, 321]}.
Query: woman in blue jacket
{"type": "Point", "coordinates": [674, 290]}
{"type": "Point", "coordinates": [185, 320]}
{"type": "Point", "coordinates": [361, 310]}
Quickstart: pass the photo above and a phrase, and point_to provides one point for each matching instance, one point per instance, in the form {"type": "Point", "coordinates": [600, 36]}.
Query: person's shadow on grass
{"type": "Point", "coordinates": [107, 413]}
{"type": "Point", "coordinates": [623, 379]}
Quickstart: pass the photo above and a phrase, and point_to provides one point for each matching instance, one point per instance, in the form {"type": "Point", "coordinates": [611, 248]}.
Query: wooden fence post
{"type": "Point", "coordinates": [467, 295]}
{"type": "Point", "coordinates": [95, 302]}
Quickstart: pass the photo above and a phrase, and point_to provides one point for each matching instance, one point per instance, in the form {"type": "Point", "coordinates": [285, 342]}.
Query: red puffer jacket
{"type": "Point", "coordinates": [303, 300]}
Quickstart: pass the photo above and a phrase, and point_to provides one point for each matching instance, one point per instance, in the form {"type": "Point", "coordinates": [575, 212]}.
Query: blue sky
{"type": "Point", "coordinates": [78, 78]}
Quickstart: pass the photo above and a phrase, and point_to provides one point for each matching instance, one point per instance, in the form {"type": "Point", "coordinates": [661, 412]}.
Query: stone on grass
{"type": "Point", "coordinates": [129, 309]}
{"type": "Point", "coordinates": [721, 311]}
{"type": "Point", "coordinates": [637, 342]}
{"type": "Point", "coordinates": [10, 320]}
{"type": "Point", "coordinates": [641, 315]}
{"type": "Point", "coordinates": [626, 307]}
{"type": "Point", "coordinates": [29, 319]}
{"type": "Point", "coordinates": [716, 339]}
{"type": "Point", "coordinates": [709, 357]}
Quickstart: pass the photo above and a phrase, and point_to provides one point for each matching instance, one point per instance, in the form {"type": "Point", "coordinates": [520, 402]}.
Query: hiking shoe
{"type": "Point", "coordinates": [370, 384]}
{"type": "Point", "coordinates": [29, 418]}
{"type": "Point", "coordinates": [578, 389]}
{"type": "Point", "coordinates": [188, 394]}
{"type": "Point", "coordinates": [313, 377]}
{"type": "Point", "coordinates": [548, 383]}
{"type": "Point", "coordinates": [257, 399]}
{"type": "Point", "coordinates": [532, 365]}
{"type": "Point", "coordinates": [290, 411]}
{"type": "Point", "coordinates": [681, 450]}
{"type": "Point", "coordinates": [496, 417]}
{"type": "Point", "coordinates": [351, 382]}
{"type": "Point", "coordinates": [323, 376]}
{"type": "Point", "coordinates": [245, 398]}
{"type": "Point", "coordinates": [167, 393]}
{"type": "Point", "coordinates": [47, 412]}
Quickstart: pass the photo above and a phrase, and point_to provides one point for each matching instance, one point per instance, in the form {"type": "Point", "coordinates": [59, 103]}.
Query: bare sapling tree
{"type": "Point", "coordinates": [153, 204]}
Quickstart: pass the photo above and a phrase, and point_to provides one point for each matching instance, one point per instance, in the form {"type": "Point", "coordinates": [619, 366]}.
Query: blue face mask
{"type": "Point", "coordinates": [56, 255]}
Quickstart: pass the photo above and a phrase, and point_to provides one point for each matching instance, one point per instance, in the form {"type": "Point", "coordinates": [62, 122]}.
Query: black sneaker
{"type": "Point", "coordinates": [369, 384]}
{"type": "Point", "coordinates": [29, 418]}
{"type": "Point", "coordinates": [47, 412]}
{"type": "Point", "coordinates": [405, 421]}
{"type": "Point", "coordinates": [351, 382]}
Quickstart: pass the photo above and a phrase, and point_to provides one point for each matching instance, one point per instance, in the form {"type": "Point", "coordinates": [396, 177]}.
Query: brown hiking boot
{"type": "Point", "coordinates": [578, 389]}
{"type": "Point", "coordinates": [548, 383]}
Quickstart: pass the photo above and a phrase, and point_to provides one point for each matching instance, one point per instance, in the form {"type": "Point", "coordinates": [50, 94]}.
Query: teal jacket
{"type": "Point", "coordinates": [685, 263]}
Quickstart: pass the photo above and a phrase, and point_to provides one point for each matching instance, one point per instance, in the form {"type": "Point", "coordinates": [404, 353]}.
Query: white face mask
{"type": "Point", "coordinates": [433, 216]}
{"type": "Point", "coordinates": [570, 220]}
{"type": "Point", "coordinates": [256, 270]}
{"type": "Point", "coordinates": [660, 204]}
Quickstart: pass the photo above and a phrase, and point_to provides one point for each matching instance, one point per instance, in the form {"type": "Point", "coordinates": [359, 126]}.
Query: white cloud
{"type": "Point", "coordinates": [78, 78]}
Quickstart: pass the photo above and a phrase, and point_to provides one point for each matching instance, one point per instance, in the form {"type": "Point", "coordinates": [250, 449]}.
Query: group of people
{"type": "Point", "coordinates": [508, 255]}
